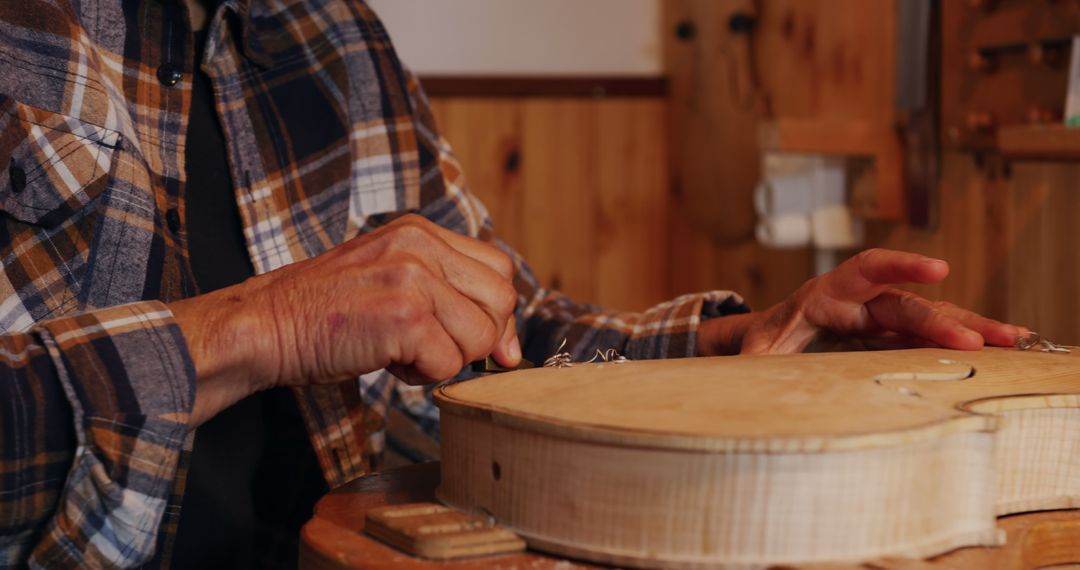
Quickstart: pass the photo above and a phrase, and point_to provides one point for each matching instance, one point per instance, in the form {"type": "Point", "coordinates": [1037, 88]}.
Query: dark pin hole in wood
{"type": "Point", "coordinates": [496, 470]}
{"type": "Point", "coordinates": [685, 30]}
{"type": "Point", "coordinates": [512, 163]}
{"type": "Point", "coordinates": [742, 22]}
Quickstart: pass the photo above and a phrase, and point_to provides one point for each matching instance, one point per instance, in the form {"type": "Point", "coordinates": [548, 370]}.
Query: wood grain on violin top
{"type": "Point", "coordinates": [782, 403]}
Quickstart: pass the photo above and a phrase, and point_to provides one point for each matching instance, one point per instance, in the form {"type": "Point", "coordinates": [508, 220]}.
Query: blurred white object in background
{"type": "Point", "coordinates": [834, 227]}
{"type": "Point", "coordinates": [786, 231]}
{"type": "Point", "coordinates": [802, 201]}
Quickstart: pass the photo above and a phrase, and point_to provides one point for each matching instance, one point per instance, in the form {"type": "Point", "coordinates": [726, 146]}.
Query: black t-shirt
{"type": "Point", "coordinates": [253, 477]}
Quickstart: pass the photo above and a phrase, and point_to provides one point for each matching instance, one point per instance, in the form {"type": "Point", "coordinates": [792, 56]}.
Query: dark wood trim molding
{"type": "Point", "coordinates": [541, 86]}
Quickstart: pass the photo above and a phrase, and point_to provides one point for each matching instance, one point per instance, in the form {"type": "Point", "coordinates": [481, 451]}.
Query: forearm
{"type": "Point", "coordinates": [222, 332]}
{"type": "Point", "coordinates": [723, 336]}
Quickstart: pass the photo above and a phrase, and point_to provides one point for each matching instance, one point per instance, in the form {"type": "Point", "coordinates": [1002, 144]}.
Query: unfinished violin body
{"type": "Point", "coordinates": [738, 461]}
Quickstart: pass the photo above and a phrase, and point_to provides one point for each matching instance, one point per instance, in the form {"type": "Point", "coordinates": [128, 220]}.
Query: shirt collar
{"type": "Point", "coordinates": [234, 17]}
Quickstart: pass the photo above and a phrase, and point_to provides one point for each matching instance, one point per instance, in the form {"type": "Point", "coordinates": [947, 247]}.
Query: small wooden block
{"type": "Point", "coordinates": [433, 531]}
{"type": "Point", "coordinates": [1052, 543]}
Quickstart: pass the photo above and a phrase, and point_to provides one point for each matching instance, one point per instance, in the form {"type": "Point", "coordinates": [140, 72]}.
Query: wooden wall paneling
{"type": "Point", "coordinates": [558, 167]}
{"type": "Point", "coordinates": [579, 186]}
{"type": "Point", "coordinates": [715, 107]}
{"type": "Point", "coordinates": [762, 276]}
{"type": "Point", "coordinates": [827, 59]}
{"type": "Point", "coordinates": [486, 135]}
{"type": "Point", "coordinates": [714, 117]}
{"type": "Point", "coordinates": [632, 268]}
{"type": "Point", "coordinates": [996, 237]}
{"type": "Point", "coordinates": [1043, 260]}
{"type": "Point", "coordinates": [1011, 242]}
{"type": "Point", "coordinates": [969, 217]}
{"type": "Point", "coordinates": [832, 64]}
{"type": "Point", "coordinates": [544, 86]}
{"type": "Point", "coordinates": [989, 79]}
{"type": "Point", "coordinates": [1019, 218]}
{"type": "Point", "coordinates": [584, 176]}
{"type": "Point", "coordinates": [1062, 287]}
{"type": "Point", "coordinates": [1023, 246]}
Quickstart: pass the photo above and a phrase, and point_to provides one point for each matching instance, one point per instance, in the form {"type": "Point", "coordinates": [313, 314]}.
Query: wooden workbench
{"type": "Point", "coordinates": [334, 538]}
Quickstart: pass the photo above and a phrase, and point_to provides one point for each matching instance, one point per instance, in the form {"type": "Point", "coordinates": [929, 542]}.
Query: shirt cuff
{"type": "Point", "coordinates": [669, 330]}
{"type": "Point", "coordinates": [131, 383]}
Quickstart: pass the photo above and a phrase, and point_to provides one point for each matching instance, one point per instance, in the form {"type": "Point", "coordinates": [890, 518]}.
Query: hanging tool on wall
{"type": "Point", "coordinates": [916, 103]}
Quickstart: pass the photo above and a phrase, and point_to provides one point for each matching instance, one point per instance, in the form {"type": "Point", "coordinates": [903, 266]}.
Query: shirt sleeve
{"type": "Point", "coordinates": [546, 317]}
{"type": "Point", "coordinates": [93, 417]}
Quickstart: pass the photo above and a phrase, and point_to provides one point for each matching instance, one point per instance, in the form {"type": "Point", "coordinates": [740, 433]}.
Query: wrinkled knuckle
{"type": "Point", "coordinates": [404, 312]}
{"type": "Point", "coordinates": [912, 300]}
{"type": "Point", "coordinates": [504, 264]}
{"type": "Point", "coordinates": [410, 233]}
{"type": "Point", "coordinates": [417, 223]}
{"type": "Point", "coordinates": [412, 218]}
{"type": "Point", "coordinates": [812, 288]}
{"type": "Point", "coordinates": [506, 300]}
{"type": "Point", "coordinates": [943, 306]}
{"type": "Point", "coordinates": [351, 244]}
{"type": "Point", "coordinates": [868, 254]}
{"type": "Point", "coordinates": [410, 271]}
{"type": "Point", "coordinates": [487, 336]}
{"type": "Point", "coordinates": [447, 369]}
{"type": "Point", "coordinates": [402, 272]}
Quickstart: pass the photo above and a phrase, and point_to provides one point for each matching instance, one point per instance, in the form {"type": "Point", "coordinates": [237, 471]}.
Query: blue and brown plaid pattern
{"type": "Point", "coordinates": [94, 420]}
{"type": "Point", "coordinates": [328, 136]}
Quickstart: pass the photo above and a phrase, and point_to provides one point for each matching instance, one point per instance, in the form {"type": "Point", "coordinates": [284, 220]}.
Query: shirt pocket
{"type": "Point", "coordinates": [53, 164]}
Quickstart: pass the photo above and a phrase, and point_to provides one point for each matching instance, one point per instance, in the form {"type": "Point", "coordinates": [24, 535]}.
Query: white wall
{"type": "Point", "coordinates": [525, 37]}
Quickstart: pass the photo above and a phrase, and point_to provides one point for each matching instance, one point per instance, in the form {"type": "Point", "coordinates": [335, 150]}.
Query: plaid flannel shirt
{"type": "Point", "coordinates": [327, 135]}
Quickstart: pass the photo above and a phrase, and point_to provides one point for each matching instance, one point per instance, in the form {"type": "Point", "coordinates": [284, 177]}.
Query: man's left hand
{"type": "Point", "coordinates": [859, 304]}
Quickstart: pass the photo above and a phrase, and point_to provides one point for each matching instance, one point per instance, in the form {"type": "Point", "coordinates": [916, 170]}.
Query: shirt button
{"type": "Point", "coordinates": [172, 219]}
{"type": "Point", "coordinates": [168, 74]}
{"type": "Point", "coordinates": [18, 178]}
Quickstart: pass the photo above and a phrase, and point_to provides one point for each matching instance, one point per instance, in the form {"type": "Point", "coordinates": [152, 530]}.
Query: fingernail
{"type": "Point", "coordinates": [934, 261]}
{"type": "Point", "coordinates": [514, 348]}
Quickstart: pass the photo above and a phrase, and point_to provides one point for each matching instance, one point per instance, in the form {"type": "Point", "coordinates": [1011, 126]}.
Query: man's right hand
{"type": "Point", "coordinates": [411, 296]}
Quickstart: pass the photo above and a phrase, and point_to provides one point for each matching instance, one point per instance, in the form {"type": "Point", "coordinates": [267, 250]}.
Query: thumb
{"type": "Point", "coordinates": [508, 352]}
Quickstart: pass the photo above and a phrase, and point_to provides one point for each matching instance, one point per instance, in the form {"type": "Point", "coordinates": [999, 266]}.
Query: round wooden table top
{"type": "Point", "coordinates": [334, 538]}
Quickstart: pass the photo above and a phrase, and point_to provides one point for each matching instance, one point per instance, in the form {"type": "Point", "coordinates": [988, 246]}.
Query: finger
{"type": "Point", "coordinates": [469, 326]}
{"type": "Point", "coordinates": [892, 341]}
{"type": "Point", "coordinates": [508, 352]}
{"type": "Point", "coordinates": [431, 354]}
{"type": "Point", "coordinates": [871, 272]}
{"type": "Point", "coordinates": [996, 333]}
{"type": "Point", "coordinates": [478, 283]}
{"type": "Point", "coordinates": [486, 289]}
{"type": "Point", "coordinates": [908, 314]}
{"type": "Point", "coordinates": [491, 289]}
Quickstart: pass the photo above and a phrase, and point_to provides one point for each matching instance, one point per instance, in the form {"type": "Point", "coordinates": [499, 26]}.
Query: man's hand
{"type": "Point", "coordinates": [857, 303]}
{"type": "Point", "coordinates": [411, 296]}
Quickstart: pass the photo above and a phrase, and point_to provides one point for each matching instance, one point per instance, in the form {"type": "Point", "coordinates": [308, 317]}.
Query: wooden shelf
{"type": "Point", "coordinates": [846, 138]}
{"type": "Point", "coordinates": [851, 138]}
{"type": "Point", "coordinates": [1039, 142]}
